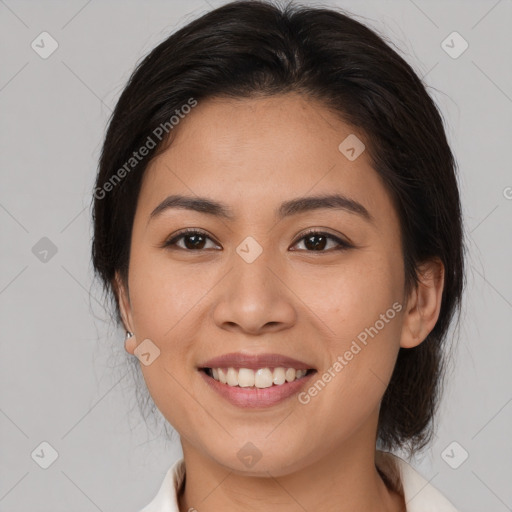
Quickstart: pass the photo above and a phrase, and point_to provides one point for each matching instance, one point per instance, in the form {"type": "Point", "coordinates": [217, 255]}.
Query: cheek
{"type": "Point", "coordinates": [359, 305]}
{"type": "Point", "coordinates": [163, 302]}
{"type": "Point", "coordinates": [162, 293]}
{"type": "Point", "coordinates": [351, 296]}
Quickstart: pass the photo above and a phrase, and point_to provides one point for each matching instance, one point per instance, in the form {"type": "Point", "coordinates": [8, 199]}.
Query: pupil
{"type": "Point", "coordinates": [314, 246]}
{"type": "Point", "coordinates": [193, 245]}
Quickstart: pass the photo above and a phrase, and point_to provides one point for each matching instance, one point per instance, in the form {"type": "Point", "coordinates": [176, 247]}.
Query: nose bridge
{"type": "Point", "coordinates": [253, 297]}
{"type": "Point", "coordinates": [252, 277]}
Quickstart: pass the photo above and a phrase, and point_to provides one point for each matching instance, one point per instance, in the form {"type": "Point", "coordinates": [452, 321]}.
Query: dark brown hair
{"type": "Point", "coordinates": [249, 48]}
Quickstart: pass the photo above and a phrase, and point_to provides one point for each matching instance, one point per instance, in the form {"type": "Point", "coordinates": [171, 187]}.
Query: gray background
{"type": "Point", "coordinates": [62, 373]}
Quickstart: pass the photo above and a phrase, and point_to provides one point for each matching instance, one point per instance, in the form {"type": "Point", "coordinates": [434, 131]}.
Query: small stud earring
{"type": "Point", "coordinates": [129, 342]}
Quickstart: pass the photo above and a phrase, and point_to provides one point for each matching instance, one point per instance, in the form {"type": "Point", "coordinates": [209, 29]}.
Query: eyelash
{"type": "Point", "coordinates": [342, 245]}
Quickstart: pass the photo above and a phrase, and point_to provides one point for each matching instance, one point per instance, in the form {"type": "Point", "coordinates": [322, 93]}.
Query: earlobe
{"type": "Point", "coordinates": [423, 305]}
{"type": "Point", "coordinates": [125, 310]}
{"type": "Point", "coordinates": [130, 343]}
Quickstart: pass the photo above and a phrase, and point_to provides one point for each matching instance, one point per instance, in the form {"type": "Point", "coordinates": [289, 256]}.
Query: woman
{"type": "Point", "coordinates": [277, 218]}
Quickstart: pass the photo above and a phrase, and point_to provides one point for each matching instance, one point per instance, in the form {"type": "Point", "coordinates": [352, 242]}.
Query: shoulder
{"type": "Point", "coordinates": [166, 499]}
{"type": "Point", "coordinates": [419, 494]}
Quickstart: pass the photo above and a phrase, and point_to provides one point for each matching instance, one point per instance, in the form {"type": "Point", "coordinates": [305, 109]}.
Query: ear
{"type": "Point", "coordinates": [126, 312]}
{"type": "Point", "coordinates": [423, 304]}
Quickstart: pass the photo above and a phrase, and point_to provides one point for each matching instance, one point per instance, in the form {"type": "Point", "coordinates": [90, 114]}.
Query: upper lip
{"type": "Point", "coordinates": [254, 361]}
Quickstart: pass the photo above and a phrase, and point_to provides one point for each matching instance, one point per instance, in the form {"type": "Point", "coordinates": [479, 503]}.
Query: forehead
{"type": "Point", "coordinates": [252, 152]}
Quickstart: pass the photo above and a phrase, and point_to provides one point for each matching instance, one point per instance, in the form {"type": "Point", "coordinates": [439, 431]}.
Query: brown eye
{"type": "Point", "coordinates": [193, 240]}
{"type": "Point", "coordinates": [318, 240]}
{"type": "Point", "coordinates": [314, 241]}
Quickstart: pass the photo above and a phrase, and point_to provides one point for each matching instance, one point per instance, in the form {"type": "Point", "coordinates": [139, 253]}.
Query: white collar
{"type": "Point", "coordinates": [419, 494]}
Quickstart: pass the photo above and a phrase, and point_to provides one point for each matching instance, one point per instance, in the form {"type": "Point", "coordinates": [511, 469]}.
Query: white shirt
{"type": "Point", "coordinates": [419, 494]}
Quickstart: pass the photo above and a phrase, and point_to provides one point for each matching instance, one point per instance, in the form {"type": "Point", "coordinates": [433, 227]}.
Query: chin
{"type": "Point", "coordinates": [254, 458]}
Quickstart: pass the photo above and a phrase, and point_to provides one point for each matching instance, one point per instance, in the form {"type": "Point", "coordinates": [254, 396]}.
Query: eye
{"type": "Point", "coordinates": [194, 240]}
{"type": "Point", "coordinates": [316, 241]}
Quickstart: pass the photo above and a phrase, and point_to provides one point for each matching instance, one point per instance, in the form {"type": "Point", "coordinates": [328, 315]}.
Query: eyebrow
{"type": "Point", "coordinates": [286, 209]}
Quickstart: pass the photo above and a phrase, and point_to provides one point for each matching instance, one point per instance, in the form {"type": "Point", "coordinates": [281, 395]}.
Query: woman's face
{"type": "Point", "coordinates": [257, 283]}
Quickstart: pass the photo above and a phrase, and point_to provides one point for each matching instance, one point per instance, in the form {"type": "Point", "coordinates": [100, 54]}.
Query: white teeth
{"type": "Point", "coordinates": [261, 378]}
{"type": "Point", "coordinates": [279, 376]}
{"type": "Point", "coordinates": [232, 377]}
{"type": "Point", "coordinates": [290, 374]}
{"type": "Point", "coordinates": [245, 378]}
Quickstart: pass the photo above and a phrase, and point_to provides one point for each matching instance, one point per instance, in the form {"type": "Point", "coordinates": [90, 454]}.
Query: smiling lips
{"type": "Point", "coordinates": [260, 378]}
{"type": "Point", "coordinates": [255, 380]}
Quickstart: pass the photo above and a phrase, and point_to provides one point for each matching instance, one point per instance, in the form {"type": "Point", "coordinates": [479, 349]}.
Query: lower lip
{"type": "Point", "coordinates": [256, 397]}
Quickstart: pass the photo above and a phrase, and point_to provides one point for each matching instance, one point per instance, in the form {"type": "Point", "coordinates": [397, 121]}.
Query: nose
{"type": "Point", "coordinates": [255, 297]}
